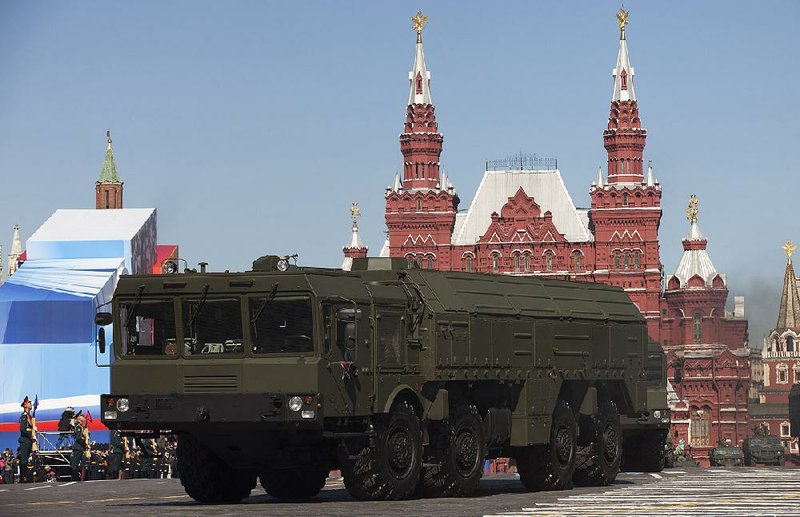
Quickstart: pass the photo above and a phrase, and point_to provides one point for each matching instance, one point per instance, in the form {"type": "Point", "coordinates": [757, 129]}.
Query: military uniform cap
{"type": "Point", "coordinates": [25, 401]}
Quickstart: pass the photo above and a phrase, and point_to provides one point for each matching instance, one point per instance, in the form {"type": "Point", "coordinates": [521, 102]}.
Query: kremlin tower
{"type": "Point", "coordinates": [108, 188]}
{"type": "Point", "coordinates": [626, 209]}
{"type": "Point", "coordinates": [421, 209]}
{"type": "Point", "coordinates": [707, 353]}
{"type": "Point", "coordinates": [355, 247]}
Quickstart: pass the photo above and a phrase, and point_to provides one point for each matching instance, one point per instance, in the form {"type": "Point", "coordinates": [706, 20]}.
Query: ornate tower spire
{"type": "Point", "coordinates": [355, 248]}
{"type": "Point", "coordinates": [14, 254]}
{"type": "Point", "coordinates": [420, 142]}
{"type": "Point", "coordinates": [108, 188]}
{"type": "Point", "coordinates": [625, 138]}
{"type": "Point", "coordinates": [789, 313]}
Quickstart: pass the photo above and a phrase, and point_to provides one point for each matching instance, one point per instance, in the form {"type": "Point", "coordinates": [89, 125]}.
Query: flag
{"type": "Point", "coordinates": [88, 417]}
{"type": "Point", "coordinates": [35, 404]}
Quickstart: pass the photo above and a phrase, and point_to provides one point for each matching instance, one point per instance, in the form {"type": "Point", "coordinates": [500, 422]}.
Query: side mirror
{"type": "Point", "coordinates": [101, 319]}
{"type": "Point", "coordinates": [101, 340]}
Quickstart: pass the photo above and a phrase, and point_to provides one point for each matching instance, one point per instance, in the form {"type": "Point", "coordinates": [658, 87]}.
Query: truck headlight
{"type": "Point", "coordinates": [295, 403]}
{"type": "Point", "coordinates": [308, 413]}
{"type": "Point", "coordinates": [656, 414]}
{"type": "Point", "coordinates": [122, 405]}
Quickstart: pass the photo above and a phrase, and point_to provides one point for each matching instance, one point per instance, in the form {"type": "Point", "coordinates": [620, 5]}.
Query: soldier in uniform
{"type": "Point", "coordinates": [77, 460]}
{"type": "Point", "coordinates": [26, 439]}
{"type": "Point", "coordinates": [115, 451]}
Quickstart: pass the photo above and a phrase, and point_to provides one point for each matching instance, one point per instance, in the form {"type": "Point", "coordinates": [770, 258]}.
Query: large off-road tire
{"type": "Point", "coordinates": [550, 467]}
{"type": "Point", "coordinates": [651, 453]}
{"type": "Point", "coordinates": [206, 478]}
{"type": "Point", "coordinates": [388, 466]}
{"type": "Point", "coordinates": [461, 465]}
{"type": "Point", "coordinates": [293, 485]}
{"type": "Point", "coordinates": [600, 463]}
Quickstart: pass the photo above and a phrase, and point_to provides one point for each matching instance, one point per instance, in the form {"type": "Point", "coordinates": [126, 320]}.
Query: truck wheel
{"type": "Point", "coordinates": [293, 485]}
{"type": "Point", "coordinates": [550, 467]}
{"type": "Point", "coordinates": [388, 467]}
{"type": "Point", "coordinates": [651, 451]}
{"type": "Point", "coordinates": [748, 460]}
{"type": "Point", "coordinates": [462, 458]}
{"type": "Point", "coordinates": [206, 478]}
{"type": "Point", "coordinates": [601, 465]}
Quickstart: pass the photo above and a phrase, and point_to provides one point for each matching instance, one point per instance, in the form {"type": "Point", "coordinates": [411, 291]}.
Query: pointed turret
{"type": "Point", "coordinates": [420, 142]}
{"type": "Point", "coordinates": [108, 188]}
{"type": "Point", "coordinates": [599, 181]}
{"type": "Point", "coordinates": [651, 182]}
{"type": "Point", "coordinates": [355, 247]}
{"type": "Point", "coordinates": [789, 313]}
{"type": "Point", "coordinates": [695, 269]}
{"type": "Point", "coordinates": [14, 254]}
{"type": "Point", "coordinates": [625, 138]}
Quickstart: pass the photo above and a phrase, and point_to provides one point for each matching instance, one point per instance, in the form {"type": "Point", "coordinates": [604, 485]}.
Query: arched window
{"type": "Point", "coordinates": [469, 264]}
{"type": "Point", "coordinates": [625, 199]}
{"type": "Point", "coordinates": [622, 166]}
{"type": "Point", "coordinates": [623, 80]}
{"type": "Point", "coordinates": [548, 260]}
{"type": "Point", "coordinates": [697, 328]}
{"type": "Point", "coordinates": [616, 260]}
{"type": "Point", "coordinates": [789, 344]}
{"type": "Point", "coordinates": [419, 205]}
{"type": "Point", "coordinates": [527, 262]}
{"type": "Point", "coordinates": [700, 428]}
{"type": "Point", "coordinates": [627, 258]}
{"type": "Point", "coordinates": [782, 374]}
{"type": "Point", "coordinates": [495, 263]}
{"type": "Point", "coordinates": [430, 262]}
{"type": "Point", "coordinates": [419, 83]}
{"type": "Point", "coordinates": [411, 261]}
{"type": "Point", "coordinates": [576, 260]}
{"type": "Point", "coordinates": [637, 260]}
{"type": "Point", "coordinates": [516, 263]}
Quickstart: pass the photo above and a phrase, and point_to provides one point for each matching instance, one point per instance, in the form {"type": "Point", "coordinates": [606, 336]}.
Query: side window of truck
{"type": "Point", "coordinates": [148, 328]}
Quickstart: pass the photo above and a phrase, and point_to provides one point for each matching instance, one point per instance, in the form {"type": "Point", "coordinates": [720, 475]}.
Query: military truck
{"type": "Point", "coordinates": [644, 446]}
{"type": "Point", "coordinates": [405, 379]}
{"type": "Point", "coordinates": [765, 449]}
{"type": "Point", "coordinates": [726, 456]}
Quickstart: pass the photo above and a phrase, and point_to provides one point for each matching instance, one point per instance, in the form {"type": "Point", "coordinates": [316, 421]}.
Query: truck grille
{"type": "Point", "coordinates": [211, 384]}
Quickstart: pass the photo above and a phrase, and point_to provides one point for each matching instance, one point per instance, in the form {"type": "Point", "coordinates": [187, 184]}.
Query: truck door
{"type": "Point", "coordinates": [347, 343]}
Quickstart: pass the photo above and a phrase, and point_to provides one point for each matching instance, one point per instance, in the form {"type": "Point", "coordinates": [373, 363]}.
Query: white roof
{"type": "Point", "coordinates": [545, 187]}
{"type": "Point", "coordinates": [384, 249]}
{"type": "Point", "coordinates": [623, 63]}
{"type": "Point", "coordinates": [420, 68]}
{"type": "Point", "coordinates": [355, 239]}
{"type": "Point", "coordinates": [696, 261]}
{"type": "Point", "coordinates": [92, 225]}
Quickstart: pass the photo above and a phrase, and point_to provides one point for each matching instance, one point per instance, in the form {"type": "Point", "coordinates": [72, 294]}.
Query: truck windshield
{"type": "Point", "coordinates": [147, 328]}
{"type": "Point", "coordinates": [281, 325]}
{"type": "Point", "coordinates": [212, 327]}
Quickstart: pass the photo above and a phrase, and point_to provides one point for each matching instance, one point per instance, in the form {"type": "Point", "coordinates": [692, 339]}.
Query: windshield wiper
{"type": "Point", "coordinates": [261, 308]}
{"type": "Point", "coordinates": [133, 311]}
{"type": "Point", "coordinates": [197, 308]}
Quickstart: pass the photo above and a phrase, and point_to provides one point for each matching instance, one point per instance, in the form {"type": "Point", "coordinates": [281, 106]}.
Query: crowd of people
{"type": "Point", "coordinates": [122, 458]}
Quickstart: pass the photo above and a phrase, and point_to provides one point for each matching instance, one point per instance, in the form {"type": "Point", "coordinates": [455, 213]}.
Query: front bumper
{"type": "Point", "coordinates": [191, 412]}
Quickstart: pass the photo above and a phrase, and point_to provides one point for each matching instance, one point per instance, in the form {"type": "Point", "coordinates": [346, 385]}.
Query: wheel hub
{"type": "Point", "coordinates": [610, 448]}
{"type": "Point", "coordinates": [563, 445]}
{"type": "Point", "coordinates": [399, 451]}
{"type": "Point", "coordinates": [466, 448]}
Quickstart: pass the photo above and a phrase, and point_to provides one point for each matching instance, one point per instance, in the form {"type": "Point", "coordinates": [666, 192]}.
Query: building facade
{"type": "Point", "coordinates": [522, 220]}
{"type": "Point", "coordinates": [706, 347]}
{"type": "Point", "coordinates": [780, 363]}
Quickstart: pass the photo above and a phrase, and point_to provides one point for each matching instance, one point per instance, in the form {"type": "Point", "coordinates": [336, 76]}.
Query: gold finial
{"type": "Point", "coordinates": [108, 139]}
{"type": "Point", "coordinates": [355, 213]}
{"type": "Point", "coordinates": [789, 249]}
{"type": "Point", "coordinates": [692, 210]}
{"type": "Point", "coordinates": [417, 24]}
{"type": "Point", "coordinates": [622, 21]}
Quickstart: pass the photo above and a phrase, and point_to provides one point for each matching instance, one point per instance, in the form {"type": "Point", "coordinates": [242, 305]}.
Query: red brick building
{"type": "Point", "coordinates": [707, 353]}
{"type": "Point", "coordinates": [780, 363]}
{"type": "Point", "coordinates": [522, 220]}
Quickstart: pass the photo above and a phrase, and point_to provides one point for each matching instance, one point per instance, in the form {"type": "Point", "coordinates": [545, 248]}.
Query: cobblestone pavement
{"type": "Point", "coordinates": [742, 491]}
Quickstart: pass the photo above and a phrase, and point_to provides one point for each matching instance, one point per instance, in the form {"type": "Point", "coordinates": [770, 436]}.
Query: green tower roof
{"type": "Point", "coordinates": [108, 174]}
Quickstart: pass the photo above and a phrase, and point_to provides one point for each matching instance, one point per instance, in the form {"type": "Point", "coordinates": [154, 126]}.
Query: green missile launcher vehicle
{"type": "Point", "coordinates": [406, 380]}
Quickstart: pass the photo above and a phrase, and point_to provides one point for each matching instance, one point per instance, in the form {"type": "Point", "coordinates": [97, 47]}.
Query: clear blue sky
{"type": "Point", "coordinates": [251, 126]}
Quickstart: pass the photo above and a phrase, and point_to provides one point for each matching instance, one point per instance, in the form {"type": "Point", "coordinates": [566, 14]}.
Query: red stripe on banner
{"type": "Point", "coordinates": [49, 426]}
